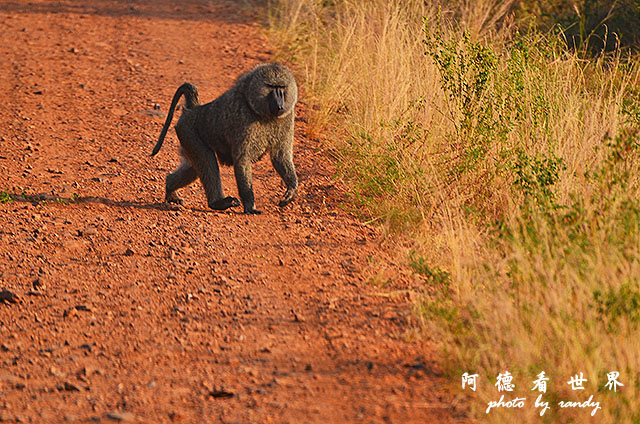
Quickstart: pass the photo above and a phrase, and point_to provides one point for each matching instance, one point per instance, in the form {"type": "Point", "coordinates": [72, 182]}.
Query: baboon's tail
{"type": "Point", "coordinates": [190, 92]}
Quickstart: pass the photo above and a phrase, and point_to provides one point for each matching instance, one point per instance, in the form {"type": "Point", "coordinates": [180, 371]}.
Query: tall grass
{"type": "Point", "coordinates": [510, 164]}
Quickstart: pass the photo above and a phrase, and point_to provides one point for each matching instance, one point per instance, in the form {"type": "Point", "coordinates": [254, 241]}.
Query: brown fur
{"type": "Point", "coordinates": [236, 129]}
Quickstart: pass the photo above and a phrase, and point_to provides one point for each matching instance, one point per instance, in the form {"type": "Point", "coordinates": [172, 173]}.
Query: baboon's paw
{"type": "Point", "coordinates": [174, 199]}
{"type": "Point", "coordinates": [289, 196]}
{"type": "Point", "coordinates": [226, 203]}
{"type": "Point", "coordinates": [285, 201]}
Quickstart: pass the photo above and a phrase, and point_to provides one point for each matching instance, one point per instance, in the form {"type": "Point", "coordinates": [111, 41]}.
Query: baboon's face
{"type": "Point", "coordinates": [272, 91]}
{"type": "Point", "coordinates": [277, 99]}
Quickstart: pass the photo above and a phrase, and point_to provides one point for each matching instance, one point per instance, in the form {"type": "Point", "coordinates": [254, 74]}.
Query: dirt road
{"type": "Point", "coordinates": [131, 311]}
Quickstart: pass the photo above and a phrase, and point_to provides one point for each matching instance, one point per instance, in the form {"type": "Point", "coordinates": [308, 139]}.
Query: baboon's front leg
{"type": "Point", "coordinates": [283, 163]}
{"type": "Point", "coordinates": [242, 168]}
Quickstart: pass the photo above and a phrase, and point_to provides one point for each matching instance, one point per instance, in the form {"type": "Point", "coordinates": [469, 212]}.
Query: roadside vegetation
{"type": "Point", "coordinates": [503, 150]}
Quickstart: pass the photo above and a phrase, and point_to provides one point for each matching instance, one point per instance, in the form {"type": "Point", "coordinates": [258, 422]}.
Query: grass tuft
{"type": "Point", "coordinates": [511, 164]}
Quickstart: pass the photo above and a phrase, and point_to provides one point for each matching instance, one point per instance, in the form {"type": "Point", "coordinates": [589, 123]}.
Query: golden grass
{"type": "Point", "coordinates": [510, 164]}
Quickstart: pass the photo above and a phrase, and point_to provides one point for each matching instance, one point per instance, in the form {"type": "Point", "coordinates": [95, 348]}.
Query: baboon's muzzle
{"type": "Point", "coordinates": [276, 101]}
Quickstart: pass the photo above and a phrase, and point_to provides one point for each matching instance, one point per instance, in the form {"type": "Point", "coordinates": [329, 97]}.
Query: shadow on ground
{"type": "Point", "coordinates": [192, 10]}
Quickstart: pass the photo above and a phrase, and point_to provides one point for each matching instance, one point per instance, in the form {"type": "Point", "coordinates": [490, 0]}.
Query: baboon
{"type": "Point", "coordinates": [255, 116]}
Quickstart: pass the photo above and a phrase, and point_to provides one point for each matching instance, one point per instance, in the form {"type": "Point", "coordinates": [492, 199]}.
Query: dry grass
{"type": "Point", "coordinates": [511, 166]}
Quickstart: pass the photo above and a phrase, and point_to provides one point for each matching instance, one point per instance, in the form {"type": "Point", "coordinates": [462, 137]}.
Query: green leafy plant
{"type": "Point", "coordinates": [6, 197]}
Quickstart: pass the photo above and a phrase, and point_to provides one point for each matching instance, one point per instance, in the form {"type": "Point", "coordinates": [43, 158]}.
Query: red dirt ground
{"type": "Point", "coordinates": [133, 311]}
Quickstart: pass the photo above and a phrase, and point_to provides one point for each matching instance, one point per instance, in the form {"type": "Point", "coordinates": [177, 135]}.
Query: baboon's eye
{"type": "Point", "coordinates": [272, 86]}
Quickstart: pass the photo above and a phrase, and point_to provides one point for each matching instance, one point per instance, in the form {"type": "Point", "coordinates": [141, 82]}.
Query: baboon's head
{"type": "Point", "coordinates": [271, 90]}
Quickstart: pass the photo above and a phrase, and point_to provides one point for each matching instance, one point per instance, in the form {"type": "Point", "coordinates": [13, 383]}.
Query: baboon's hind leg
{"type": "Point", "coordinates": [204, 161]}
{"type": "Point", "coordinates": [181, 177]}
